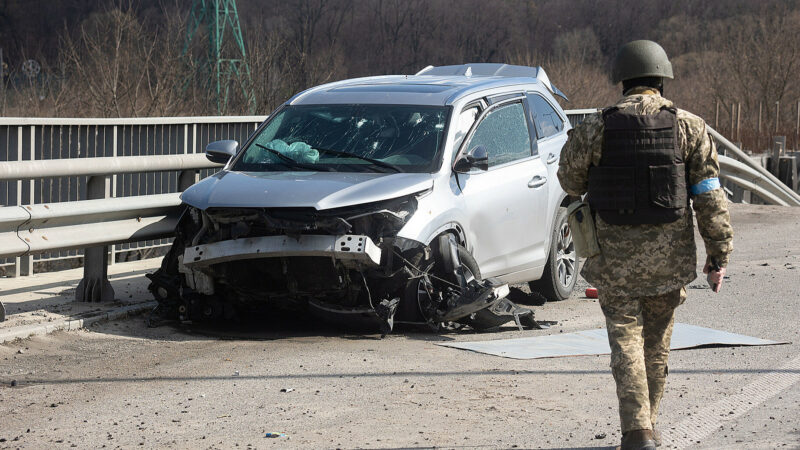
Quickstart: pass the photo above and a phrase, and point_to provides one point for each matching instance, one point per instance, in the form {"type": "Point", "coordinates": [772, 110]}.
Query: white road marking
{"type": "Point", "coordinates": [710, 418]}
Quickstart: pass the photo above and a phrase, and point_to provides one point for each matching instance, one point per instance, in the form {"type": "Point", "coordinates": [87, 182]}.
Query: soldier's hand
{"type": "Point", "coordinates": [715, 275]}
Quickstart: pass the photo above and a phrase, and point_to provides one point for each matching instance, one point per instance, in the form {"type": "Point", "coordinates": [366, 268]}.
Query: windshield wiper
{"type": "Point", "coordinates": [289, 162]}
{"type": "Point", "coordinates": [374, 161]}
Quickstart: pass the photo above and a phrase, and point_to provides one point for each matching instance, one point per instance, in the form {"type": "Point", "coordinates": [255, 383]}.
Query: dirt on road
{"type": "Point", "coordinates": [123, 385]}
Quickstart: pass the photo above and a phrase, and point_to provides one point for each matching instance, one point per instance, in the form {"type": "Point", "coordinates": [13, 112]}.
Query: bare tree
{"type": "Point", "coordinates": [314, 30]}
{"type": "Point", "coordinates": [125, 69]}
{"type": "Point", "coordinates": [585, 83]}
{"type": "Point", "coordinates": [268, 68]}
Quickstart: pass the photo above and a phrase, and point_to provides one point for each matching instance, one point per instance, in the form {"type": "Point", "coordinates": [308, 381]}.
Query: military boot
{"type": "Point", "coordinates": [638, 440]}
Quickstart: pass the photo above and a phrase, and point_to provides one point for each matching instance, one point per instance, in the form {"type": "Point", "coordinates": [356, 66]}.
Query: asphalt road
{"type": "Point", "coordinates": [122, 385]}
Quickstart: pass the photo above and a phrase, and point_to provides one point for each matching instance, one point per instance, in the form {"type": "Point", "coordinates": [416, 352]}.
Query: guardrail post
{"type": "Point", "coordinates": [779, 146]}
{"type": "Point", "coordinates": [95, 287]}
{"type": "Point", "coordinates": [23, 266]}
{"type": "Point", "coordinates": [186, 178]}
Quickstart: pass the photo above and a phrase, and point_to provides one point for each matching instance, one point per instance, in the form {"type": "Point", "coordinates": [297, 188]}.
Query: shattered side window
{"type": "Point", "coordinates": [504, 133]}
{"type": "Point", "coordinates": [349, 138]}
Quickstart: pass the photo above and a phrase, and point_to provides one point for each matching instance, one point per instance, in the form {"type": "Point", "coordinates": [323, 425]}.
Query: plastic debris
{"type": "Point", "coordinates": [273, 434]}
{"type": "Point", "coordinates": [591, 292]}
{"type": "Point", "coordinates": [287, 389]}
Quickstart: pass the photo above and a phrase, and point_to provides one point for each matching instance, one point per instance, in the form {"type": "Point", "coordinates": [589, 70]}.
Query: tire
{"type": "Point", "coordinates": [561, 270]}
{"type": "Point", "coordinates": [415, 297]}
{"type": "Point", "coordinates": [445, 265]}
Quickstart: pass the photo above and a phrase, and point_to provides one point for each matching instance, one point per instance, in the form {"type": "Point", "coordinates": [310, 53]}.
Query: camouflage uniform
{"type": "Point", "coordinates": [642, 269]}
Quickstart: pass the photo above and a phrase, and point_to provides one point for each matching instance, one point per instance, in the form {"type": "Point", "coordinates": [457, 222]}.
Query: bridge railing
{"type": "Point", "coordinates": [77, 142]}
{"type": "Point", "coordinates": [98, 205]}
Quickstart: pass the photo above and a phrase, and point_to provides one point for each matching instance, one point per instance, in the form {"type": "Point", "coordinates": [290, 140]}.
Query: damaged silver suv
{"type": "Point", "coordinates": [392, 199]}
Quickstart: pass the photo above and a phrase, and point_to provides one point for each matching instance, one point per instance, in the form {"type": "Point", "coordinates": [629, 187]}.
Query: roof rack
{"type": "Point", "coordinates": [494, 70]}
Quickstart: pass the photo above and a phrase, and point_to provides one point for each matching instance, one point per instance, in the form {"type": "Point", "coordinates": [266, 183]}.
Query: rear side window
{"type": "Point", "coordinates": [545, 118]}
{"type": "Point", "coordinates": [504, 133]}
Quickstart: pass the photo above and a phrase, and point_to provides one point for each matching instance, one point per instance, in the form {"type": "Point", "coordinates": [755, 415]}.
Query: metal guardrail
{"type": "Point", "coordinates": [93, 224]}
{"type": "Point", "coordinates": [45, 227]}
{"type": "Point", "coordinates": [30, 170]}
{"type": "Point", "coordinates": [747, 170]}
{"type": "Point", "coordinates": [82, 144]}
{"type": "Point", "coordinates": [61, 226]}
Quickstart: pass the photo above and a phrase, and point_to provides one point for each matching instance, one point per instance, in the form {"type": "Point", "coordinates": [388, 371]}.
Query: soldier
{"type": "Point", "coordinates": [641, 161]}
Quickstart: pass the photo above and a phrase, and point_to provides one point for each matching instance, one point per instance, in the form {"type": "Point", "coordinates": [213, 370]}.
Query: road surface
{"type": "Point", "coordinates": [123, 385]}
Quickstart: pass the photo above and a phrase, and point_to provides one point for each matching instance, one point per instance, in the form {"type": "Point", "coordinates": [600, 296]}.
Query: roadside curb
{"type": "Point", "coordinates": [40, 329]}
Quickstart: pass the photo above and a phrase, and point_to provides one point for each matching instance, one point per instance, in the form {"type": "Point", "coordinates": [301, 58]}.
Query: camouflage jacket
{"type": "Point", "coordinates": [651, 259]}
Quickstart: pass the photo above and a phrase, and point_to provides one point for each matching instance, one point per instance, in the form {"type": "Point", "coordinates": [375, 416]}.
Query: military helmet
{"type": "Point", "coordinates": [639, 59]}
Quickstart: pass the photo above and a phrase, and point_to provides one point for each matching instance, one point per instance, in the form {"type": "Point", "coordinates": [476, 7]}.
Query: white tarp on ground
{"type": "Point", "coordinates": [595, 342]}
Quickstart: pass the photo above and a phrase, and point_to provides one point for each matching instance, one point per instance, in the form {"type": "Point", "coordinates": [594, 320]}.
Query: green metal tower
{"type": "Point", "coordinates": [225, 61]}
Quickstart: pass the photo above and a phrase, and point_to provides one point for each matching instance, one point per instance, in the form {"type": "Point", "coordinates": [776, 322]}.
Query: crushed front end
{"type": "Point", "coordinates": [345, 264]}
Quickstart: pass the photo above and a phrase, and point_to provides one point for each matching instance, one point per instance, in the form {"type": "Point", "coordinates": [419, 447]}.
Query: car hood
{"type": "Point", "coordinates": [320, 190]}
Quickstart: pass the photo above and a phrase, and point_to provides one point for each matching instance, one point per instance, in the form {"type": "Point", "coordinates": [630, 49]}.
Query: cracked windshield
{"type": "Point", "coordinates": [349, 138]}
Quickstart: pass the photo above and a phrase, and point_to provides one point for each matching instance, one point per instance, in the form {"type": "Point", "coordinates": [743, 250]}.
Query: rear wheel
{"type": "Point", "coordinates": [561, 270]}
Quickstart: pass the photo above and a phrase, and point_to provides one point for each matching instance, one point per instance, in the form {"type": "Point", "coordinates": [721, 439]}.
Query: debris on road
{"type": "Point", "coordinates": [274, 435]}
{"type": "Point", "coordinates": [591, 292]}
{"type": "Point", "coordinates": [595, 342]}
{"type": "Point", "coordinates": [287, 389]}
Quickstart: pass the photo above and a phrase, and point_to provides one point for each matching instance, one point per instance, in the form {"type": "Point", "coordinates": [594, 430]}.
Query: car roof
{"type": "Point", "coordinates": [431, 86]}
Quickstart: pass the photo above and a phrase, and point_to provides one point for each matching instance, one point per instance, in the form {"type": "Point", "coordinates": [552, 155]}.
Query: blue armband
{"type": "Point", "coordinates": [706, 185]}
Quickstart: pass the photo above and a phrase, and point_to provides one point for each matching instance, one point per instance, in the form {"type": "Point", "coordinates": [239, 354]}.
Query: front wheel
{"type": "Point", "coordinates": [418, 303]}
{"type": "Point", "coordinates": [561, 271]}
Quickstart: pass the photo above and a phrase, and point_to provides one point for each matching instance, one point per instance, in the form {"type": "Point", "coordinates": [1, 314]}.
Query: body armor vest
{"type": "Point", "coordinates": [641, 178]}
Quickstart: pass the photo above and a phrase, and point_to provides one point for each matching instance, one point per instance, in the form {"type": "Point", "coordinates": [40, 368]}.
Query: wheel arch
{"type": "Point", "coordinates": [453, 228]}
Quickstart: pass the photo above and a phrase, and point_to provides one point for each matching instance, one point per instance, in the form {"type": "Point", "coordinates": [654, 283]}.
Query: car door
{"type": "Point", "coordinates": [550, 139]}
{"type": "Point", "coordinates": [506, 205]}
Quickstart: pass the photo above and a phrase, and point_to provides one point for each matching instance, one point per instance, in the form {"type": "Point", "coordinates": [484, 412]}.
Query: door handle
{"type": "Point", "coordinates": [537, 181]}
{"type": "Point", "coordinates": [551, 158]}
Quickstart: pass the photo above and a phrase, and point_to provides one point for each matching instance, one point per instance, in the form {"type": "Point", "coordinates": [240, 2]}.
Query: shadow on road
{"type": "Point", "coordinates": [279, 325]}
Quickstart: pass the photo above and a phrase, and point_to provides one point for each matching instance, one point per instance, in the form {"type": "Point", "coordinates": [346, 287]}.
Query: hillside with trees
{"type": "Point", "coordinates": [736, 61]}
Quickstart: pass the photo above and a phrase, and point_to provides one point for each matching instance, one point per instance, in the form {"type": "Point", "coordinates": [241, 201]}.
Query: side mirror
{"type": "Point", "coordinates": [221, 151]}
{"type": "Point", "coordinates": [475, 158]}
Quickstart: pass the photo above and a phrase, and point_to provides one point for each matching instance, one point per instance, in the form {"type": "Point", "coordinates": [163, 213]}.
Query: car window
{"type": "Point", "coordinates": [504, 133]}
{"type": "Point", "coordinates": [545, 118]}
{"type": "Point", "coordinates": [355, 137]}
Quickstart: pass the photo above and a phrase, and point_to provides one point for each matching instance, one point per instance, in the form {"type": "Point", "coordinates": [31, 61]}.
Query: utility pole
{"type": "Point", "coordinates": [225, 61]}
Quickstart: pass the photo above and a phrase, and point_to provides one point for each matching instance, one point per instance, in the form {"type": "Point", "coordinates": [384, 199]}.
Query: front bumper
{"type": "Point", "coordinates": [351, 250]}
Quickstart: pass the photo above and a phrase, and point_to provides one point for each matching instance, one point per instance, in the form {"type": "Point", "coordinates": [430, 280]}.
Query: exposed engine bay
{"type": "Point", "coordinates": [344, 264]}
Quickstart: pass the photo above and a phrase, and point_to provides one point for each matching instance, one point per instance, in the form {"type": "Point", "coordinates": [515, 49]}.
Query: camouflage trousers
{"type": "Point", "coordinates": [639, 333]}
